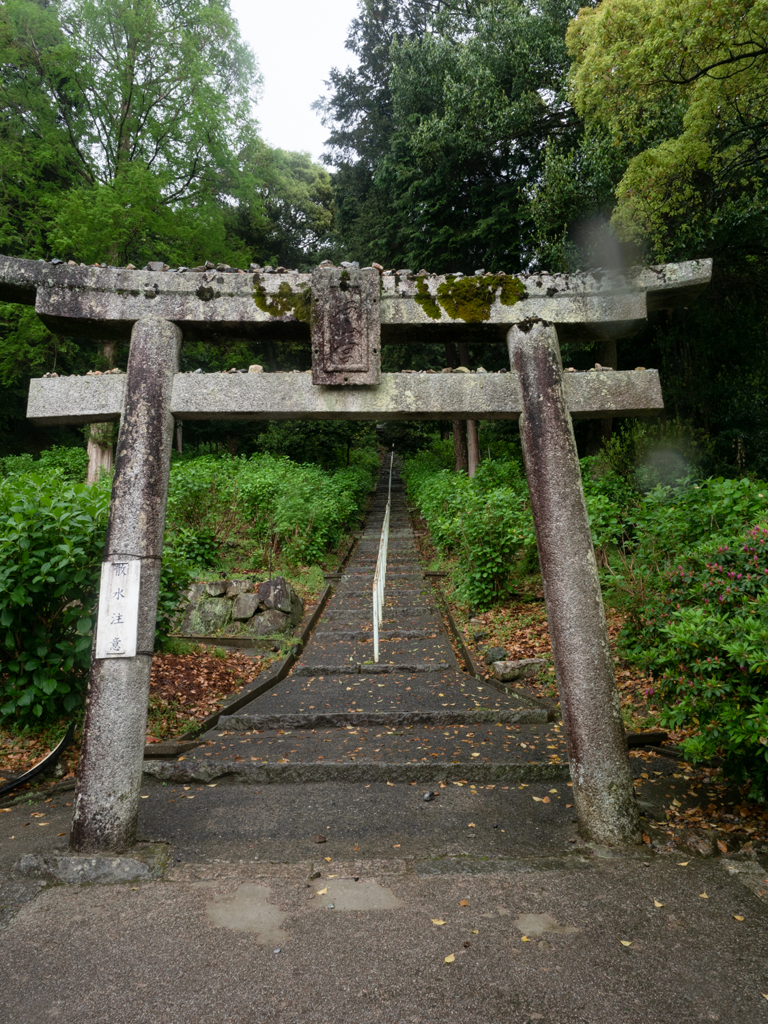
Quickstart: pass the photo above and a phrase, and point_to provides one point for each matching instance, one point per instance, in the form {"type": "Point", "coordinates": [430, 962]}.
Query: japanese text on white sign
{"type": "Point", "coordinates": [118, 623]}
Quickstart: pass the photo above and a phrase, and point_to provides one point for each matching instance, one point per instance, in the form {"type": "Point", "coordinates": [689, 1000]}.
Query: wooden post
{"type": "Point", "coordinates": [109, 772]}
{"type": "Point", "coordinates": [603, 790]}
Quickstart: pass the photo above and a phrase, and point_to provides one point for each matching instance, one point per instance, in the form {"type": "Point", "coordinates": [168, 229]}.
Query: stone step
{"type": "Point", "coordinates": [380, 688]}
{"type": "Point", "coordinates": [403, 633]}
{"type": "Point", "coordinates": [466, 743]}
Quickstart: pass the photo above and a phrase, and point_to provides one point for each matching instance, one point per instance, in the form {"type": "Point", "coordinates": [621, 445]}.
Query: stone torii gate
{"type": "Point", "coordinates": [347, 313]}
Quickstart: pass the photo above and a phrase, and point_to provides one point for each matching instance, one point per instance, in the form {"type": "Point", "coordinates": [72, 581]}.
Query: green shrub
{"type": "Point", "coordinates": [73, 462]}
{"type": "Point", "coordinates": [13, 465]}
{"type": "Point", "coordinates": [52, 536]}
{"type": "Point", "coordinates": [706, 643]}
{"type": "Point", "coordinates": [664, 526]}
{"type": "Point", "coordinates": [299, 510]}
{"type": "Point", "coordinates": [486, 521]}
{"type": "Point", "coordinates": [51, 544]}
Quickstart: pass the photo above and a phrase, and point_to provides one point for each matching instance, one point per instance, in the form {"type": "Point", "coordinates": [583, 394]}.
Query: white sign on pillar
{"type": "Point", "coordinates": [118, 622]}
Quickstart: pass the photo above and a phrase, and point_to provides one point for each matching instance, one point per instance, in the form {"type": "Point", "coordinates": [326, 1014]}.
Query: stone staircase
{"type": "Point", "coordinates": [413, 716]}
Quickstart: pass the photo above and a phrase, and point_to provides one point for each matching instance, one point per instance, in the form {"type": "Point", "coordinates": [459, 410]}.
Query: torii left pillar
{"type": "Point", "coordinates": [109, 772]}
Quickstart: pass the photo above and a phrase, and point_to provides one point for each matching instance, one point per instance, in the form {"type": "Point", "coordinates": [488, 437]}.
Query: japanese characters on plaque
{"type": "Point", "coordinates": [118, 624]}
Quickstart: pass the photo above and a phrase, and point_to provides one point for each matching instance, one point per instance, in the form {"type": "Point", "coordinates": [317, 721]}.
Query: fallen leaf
{"type": "Point", "coordinates": [539, 799]}
{"type": "Point", "coordinates": [450, 958]}
{"type": "Point", "coordinates": [525, 938]}
{"type": "Point", "coordinates": [722, 846]}
{"type": "Point", "coordinates": [463, 903]}
{"type": "Point", "coordinates": [546, 800]}
{"type": "Point", "coordinates": [475, 932]}
{"type": "Point", "coordinates": [322, 892]}
{"type": "Point", "coordinates": [395, 846]}
{"type": "Point", "coordinates": [320, 839]}
{"type": "Point", "coordinates": [437, 921]}
{"type": "Point", "coordinates": [625, 942]}
{"type": "Point", "coordinates": [390, 783]}
{"type": "Point", "coordinates": [764, 995]}
{"type": "Point", "coordinates": [60, 833]}
{"type": "Point", "coordinates": [703, 896]}
{"type": "Point", "coordinates": [683, 863]}
{"type": "Point", "coordinates": [471, 824]}
{"type": "Point", "coordinates": [327, 859]}
{"type": "Point", "coordinates": [738, 917]}
{"type": "Point", "coordinates": [145, 797]}
{"type": "Point", "coordinates": [657, 904]}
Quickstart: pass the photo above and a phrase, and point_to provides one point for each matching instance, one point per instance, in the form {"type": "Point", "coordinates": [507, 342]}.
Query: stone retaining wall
{"type": "Point", "coordinates": [241, 608]}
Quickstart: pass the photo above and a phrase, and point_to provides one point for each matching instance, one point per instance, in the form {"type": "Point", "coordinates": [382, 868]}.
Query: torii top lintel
{"type": "Point", "coordinates": [105, 302]}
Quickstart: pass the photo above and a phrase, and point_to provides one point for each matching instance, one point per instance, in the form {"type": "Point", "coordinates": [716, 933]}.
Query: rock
{"type": "Point", "coordinates": [270, 621]}
{"type": "Point", "coordinates": [698, 842]}
{"type": "Point", "coordinates": [461, 369]}
{"type": "Point", "coordinates": [479, 636]}
{"type": "Point", "coordinates": [255, 368]}
{"type": "Point", "coordinates": [239, 587]}
{"type": "Point", "coordinates": [217, 588]}
{"type": "Point", "coordinates": [157, 265]}
{"type": "Point", "coordinates": [208, 616]}
{"type": "Point", "coordinates": [378, 266]}
{"type": "Point", "coordinates": [525, 668]}
{"type": "Point", "coordinates": [195, 592]}
{"type": "Point", "coordinates": [494, 654]}
{"type": "Point", "coordinates": [446, 369]}
{"type": "Point", "coordinates": [147, 863]}
{"type": "Point", "coordinates": [278, 594]}
{"type": "Point", "coordinates": [245, 607]}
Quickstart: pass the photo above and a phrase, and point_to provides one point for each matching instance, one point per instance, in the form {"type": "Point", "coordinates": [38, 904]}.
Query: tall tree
{"type": "Point", "coordinates": [469, 101]}
{"type": "Point", "coordinates": [681, 87]}
{"type": "Point", "coordinates": [137, 111]}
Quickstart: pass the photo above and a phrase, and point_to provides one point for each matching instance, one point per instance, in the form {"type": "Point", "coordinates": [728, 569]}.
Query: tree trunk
{"type": "Point", "coordinates": [101, 456]}
{"type": "Point", "coordinates": [473, 448]}
{"type": "Point", "coordinates": [460, 446]}
{"type": "Point", "coordinates": [459, 428]}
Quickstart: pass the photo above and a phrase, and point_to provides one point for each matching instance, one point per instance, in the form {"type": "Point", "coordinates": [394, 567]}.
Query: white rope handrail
{"type": "Point", "coordinates": [380, 576]}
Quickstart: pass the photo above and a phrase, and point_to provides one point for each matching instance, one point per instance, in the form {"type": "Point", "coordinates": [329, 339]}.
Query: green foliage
{"type": "Point", "coordinates": [176, 574]}
{"type": "Point", "coordinates": [51, 543]}
{"type": "Point", "coordinates": [298, 510]}
{"type": "Point", "coordinates": [681, 87]}
{"type": "Point", "coordinates": [664, 528]}
{"type": "Point", "coordinates": [705, 643]}
{"type": "Point", "coordinates": [439, 132]}
{"type": "Point", "coordinates": [72, 463]}
{"type": "Point", "coordinates": [486, 521]}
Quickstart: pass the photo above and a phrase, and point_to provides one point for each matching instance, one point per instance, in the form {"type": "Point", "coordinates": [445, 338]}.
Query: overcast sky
{"type": "Point", "coordinates": [296, 45]}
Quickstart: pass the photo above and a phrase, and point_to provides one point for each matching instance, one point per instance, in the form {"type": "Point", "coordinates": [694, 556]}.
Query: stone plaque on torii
{"type": "Point", "coordinates": [347, 313]}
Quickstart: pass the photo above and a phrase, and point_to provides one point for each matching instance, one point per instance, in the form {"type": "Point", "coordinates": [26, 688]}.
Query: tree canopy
{"type": "Point", "coordinates": [681, 88]}
{"type": "Point", "coordinates": [439, 132]}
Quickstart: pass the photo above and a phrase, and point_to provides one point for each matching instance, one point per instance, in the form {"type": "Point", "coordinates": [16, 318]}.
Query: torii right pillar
{"type": "Point", "coordinates": [603, 789]}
